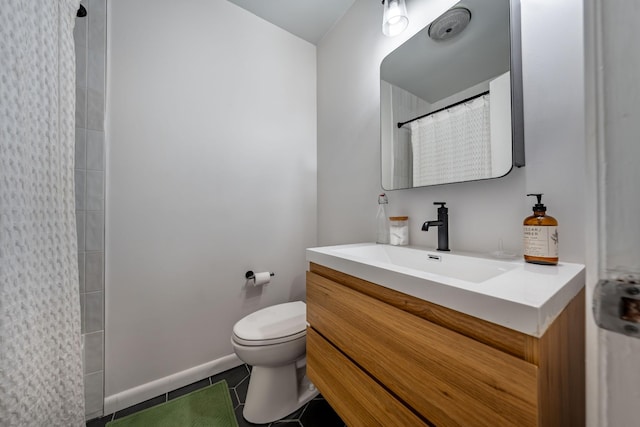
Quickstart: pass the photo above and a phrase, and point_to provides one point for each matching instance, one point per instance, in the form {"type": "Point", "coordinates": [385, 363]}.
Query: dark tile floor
{"type": "Point", "coordinates": [316, 413]}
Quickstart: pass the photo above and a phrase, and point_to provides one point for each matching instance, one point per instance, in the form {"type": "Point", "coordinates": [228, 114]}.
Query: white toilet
{"type": "Point", "coordinates": [273, 341]}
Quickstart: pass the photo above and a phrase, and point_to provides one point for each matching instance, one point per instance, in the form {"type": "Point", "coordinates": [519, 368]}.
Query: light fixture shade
{"type": "Point", "coordinates": [395, 19]}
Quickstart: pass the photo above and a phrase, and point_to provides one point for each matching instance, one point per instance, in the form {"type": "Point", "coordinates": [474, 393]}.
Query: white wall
{"type": "Point", "coordinates": [480, 213]}
{"type": "Point", "coordinates": [211, 172]}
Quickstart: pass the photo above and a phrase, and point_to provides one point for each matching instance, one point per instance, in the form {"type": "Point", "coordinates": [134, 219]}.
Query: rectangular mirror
{"type": "Point", "coordinates": [451, 99]}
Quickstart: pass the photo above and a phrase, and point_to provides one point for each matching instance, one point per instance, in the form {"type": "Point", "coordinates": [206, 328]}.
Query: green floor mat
{"type": "Point", "coordinates": [207, 407]}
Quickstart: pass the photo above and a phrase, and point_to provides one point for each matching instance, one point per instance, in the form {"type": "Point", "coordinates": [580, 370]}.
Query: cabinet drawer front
{"type": "Point", "coordinates": [358, 399]}
{"type": "Point", "coordinates": [448, 378]}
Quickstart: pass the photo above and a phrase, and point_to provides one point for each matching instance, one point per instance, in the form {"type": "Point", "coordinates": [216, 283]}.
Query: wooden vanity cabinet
{"type": "Point", "coordinates": [384, 358]}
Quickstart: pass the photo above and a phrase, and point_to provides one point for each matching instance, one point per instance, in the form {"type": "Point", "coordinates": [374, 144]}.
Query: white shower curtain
{"type": "Point", "coordinates": [452, 145]}
{"type": "Point", "coordinates": [40, 342]}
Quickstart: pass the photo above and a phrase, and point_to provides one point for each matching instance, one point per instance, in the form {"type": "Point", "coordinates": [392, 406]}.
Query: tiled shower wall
{"type": "Point", "coordinates": [90, 42]}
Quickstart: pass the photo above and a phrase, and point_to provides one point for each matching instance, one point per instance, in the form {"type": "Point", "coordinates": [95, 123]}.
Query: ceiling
{"type": "Point", "coordinates": [307, 19]}
{"type": "Point", "coordinates": [435, 70]}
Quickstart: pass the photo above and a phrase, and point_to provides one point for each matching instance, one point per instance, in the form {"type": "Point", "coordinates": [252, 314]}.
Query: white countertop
{"type": "Point", "coordinates": [522, 296]}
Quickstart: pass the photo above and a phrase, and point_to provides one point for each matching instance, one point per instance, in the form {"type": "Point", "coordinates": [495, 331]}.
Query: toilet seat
{"type": "Point", "coordinates": [260, 343]}
{"type": "Point", "coordinates": [272, 325]}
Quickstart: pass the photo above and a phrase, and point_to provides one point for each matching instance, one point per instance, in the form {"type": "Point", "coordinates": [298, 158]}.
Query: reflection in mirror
{"type": "Point", "coordinates": [451, 99]}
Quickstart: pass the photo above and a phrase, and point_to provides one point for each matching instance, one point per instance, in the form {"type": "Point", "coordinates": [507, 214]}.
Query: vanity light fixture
{"type": "Point", "coordinates": [394, 19]}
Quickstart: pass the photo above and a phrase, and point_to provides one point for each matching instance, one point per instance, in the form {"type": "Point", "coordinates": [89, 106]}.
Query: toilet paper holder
{"type": "Point", "coordinates": [250, 275]}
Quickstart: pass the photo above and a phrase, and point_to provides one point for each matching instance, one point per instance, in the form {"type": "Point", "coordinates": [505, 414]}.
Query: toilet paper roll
{"type": "Point", "coordinates": [262, 278]}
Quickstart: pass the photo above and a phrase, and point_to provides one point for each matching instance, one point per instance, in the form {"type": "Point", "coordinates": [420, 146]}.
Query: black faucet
{"type": "Point", "coordinates": [443, 226]}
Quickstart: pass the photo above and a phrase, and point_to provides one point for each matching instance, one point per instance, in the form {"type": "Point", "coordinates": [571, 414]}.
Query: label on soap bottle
{"type": "Point", "coordinates": [541, 241]}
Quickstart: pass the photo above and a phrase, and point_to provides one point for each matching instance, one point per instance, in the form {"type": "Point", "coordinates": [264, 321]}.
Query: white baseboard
{"type": "Point", "coordinates": [143, 392]}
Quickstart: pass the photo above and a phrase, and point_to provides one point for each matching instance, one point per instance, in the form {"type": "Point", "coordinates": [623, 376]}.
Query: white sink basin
{"type": "Point", "coordinates": [440, 263]}
{"type": "Point", "coordinates": [520, 296]}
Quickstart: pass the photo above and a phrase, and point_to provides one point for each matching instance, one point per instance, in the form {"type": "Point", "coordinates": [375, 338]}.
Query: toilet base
{"type": "Point", "coordinates": [275, 392]}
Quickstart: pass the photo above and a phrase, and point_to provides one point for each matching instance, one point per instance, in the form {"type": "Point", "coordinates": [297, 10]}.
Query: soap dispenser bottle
{"type": "Point", "coordinates": [540, 235]}
{"type": "Point", "coordinates": [382, 220]}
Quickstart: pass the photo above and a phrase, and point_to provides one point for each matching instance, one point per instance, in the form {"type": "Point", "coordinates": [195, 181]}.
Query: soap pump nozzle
{"type": "Point", "coordinates": [539, 207]}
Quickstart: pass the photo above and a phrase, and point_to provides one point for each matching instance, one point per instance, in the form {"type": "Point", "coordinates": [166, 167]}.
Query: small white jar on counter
{"type": "Point", "coordinates": [399, 230]}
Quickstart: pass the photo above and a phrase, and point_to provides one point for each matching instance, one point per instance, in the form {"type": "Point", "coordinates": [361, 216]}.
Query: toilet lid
{"type": "Point", "coordinates": [273, 323]}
